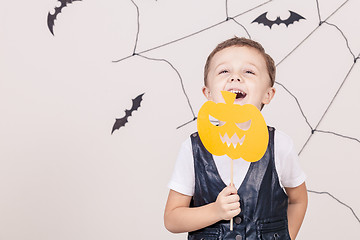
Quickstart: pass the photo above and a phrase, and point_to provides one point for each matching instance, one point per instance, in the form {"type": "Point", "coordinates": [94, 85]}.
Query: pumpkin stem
{"type": "Point", "coordinates": [229, 97]}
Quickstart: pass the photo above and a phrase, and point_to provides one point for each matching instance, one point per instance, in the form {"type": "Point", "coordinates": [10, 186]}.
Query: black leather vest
{"type": "Point", "coordinates": [263, 202]}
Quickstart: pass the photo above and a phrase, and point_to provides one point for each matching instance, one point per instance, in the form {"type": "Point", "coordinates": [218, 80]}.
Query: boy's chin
{"type": "Point", "coordinates": [242, 102]}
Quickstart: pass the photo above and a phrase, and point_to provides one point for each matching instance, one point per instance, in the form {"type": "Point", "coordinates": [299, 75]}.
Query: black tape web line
{"type": "Point", "coordinates": [313, 130]}
{"type": "Point", "coordinates": [177, 72]}
{"type": "Point", "coordinates": [342, 203]}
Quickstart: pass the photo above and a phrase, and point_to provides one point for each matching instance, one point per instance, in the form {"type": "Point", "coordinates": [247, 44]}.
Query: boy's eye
{"type": "Point", "coordinates": [250, 72]}
{"type": "Point", "coordinates": [223, 71]}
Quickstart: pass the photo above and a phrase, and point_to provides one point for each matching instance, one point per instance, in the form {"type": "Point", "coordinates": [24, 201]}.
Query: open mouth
{"type": "Point", "coordinates": [239, 94]}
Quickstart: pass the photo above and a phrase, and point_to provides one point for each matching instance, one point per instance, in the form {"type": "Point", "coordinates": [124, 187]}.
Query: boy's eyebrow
{"type": "Point", "coordinates": [218, 65]}
{"type": "Point", "coordinates": [224, 63]}
{"type": "Point", "coordinates": [253, 65]}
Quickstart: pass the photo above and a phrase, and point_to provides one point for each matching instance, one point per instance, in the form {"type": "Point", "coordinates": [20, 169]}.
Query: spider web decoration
{"type": "Point", "coordinates": [326, 27]}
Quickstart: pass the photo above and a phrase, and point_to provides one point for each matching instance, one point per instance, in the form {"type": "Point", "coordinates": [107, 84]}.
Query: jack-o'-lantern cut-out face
{"type": "Point", "coordinates": [249, 143]}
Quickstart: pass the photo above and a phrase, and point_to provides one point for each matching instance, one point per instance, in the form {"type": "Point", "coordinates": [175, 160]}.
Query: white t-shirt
{"type": "Point", "coordinates": [286, 164]}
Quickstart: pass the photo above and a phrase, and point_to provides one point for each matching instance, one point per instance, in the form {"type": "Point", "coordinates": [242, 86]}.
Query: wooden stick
{"type": "Point", "coordinates": [232, 184]}
{"type": "Point", "coordinates": [232, 172]}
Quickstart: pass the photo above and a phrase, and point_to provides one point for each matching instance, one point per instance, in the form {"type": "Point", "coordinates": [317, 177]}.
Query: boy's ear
{"type": "Point", "coordinates": [269, 95]}
{"type": "Point", "coordinates": [206, 92]}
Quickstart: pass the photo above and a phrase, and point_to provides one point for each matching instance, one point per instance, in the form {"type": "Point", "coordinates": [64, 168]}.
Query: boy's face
{"type": "Point", "coordinates": [241, 70]}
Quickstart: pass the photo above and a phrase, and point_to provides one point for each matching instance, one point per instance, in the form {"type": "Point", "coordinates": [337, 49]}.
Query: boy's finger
{"type": "Point", "coordinates": [234, 198]}
{"type": "Point", "coordinates": [229, 190]}
{"type": "Point", "coordinates": [235, 212]}
{"type": "Point", "coordinates": [234, 206]}
{"type": "Point", "coordinates": [233, 189]}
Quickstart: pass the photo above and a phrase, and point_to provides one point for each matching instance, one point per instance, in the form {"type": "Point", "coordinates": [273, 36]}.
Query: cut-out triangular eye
{"type": "Point", "coordinates": [214, 121]}
{"type": "Point", "coordinates": [244, 125]}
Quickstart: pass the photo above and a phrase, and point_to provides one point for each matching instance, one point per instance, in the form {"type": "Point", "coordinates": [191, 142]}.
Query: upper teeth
{"type": "Point", "coordinates": [237, 91]}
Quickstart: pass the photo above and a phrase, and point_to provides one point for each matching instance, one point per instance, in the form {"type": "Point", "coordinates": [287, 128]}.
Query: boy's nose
{"type": "Point", "coordinates": [235, 79]}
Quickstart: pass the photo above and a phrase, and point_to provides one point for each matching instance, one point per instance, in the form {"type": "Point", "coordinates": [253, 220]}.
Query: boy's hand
{"type": "Point", "coordinates": [227, 203]}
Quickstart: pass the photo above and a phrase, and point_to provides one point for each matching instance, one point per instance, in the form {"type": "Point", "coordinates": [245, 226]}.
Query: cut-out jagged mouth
{"type": "Point", "coordinates": [234, 140]}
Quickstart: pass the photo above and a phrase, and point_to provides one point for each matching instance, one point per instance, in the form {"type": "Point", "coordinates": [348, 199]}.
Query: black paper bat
{"type": "Point", "coordinates": [120, 122]}
{"type": "Point", "coordinates": [290, 20]}
{"type": "Point", "coordinates": [52, 17]}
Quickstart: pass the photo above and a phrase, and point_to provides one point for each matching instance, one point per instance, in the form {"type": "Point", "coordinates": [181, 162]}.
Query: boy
{"type": "Point", "coordinates": [201, 200]}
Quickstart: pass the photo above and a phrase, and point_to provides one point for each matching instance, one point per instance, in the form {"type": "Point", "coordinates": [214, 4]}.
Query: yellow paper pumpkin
{"type": "Point", "coordinates": [229, 139]}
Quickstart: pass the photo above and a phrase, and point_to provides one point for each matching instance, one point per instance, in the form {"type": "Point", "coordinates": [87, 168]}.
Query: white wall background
{"type": "Point", "coordinates": [64, 176]}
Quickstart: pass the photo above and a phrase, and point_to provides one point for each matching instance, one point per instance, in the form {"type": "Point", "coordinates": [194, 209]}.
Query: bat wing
{"type": "Point", "coordinates": [120, 122]}
{"type": "Point", "coordinates": [52, 17]}
{"type": "Point", "coordinates": [293, 18]}
{"type": "Point", "coordinates": [136, 103]}
{"type": "Point", "coordinates": [264, 20]}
